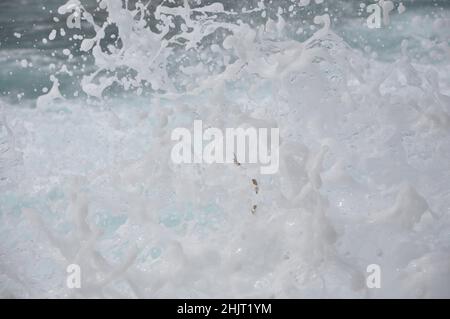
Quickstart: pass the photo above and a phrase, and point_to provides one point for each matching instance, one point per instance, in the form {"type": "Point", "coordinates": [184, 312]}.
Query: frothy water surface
{"type": "Point", "coordinates": [85, 170]}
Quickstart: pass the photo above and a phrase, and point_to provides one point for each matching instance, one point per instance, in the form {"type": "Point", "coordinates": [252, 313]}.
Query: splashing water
{"type": "Point", "coordinates": [364, 172]}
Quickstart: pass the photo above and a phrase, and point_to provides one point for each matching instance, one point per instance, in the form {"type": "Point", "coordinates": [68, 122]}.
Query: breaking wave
{"type": "Point", "coordinates": [86, 176]}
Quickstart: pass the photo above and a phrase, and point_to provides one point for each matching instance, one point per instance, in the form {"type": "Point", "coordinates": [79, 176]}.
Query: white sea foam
{"type": "Point", "coordinates": [364, 174]}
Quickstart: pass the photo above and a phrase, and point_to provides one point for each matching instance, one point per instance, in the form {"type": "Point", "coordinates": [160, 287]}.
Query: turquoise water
{"type": "Point", "coordinates": [86, 176]}
{"type": "Point", "coordinates": [34, 21]}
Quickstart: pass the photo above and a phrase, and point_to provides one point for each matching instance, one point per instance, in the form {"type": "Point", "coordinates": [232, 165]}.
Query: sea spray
{"type": "Point", "coordinates": [362, 179]}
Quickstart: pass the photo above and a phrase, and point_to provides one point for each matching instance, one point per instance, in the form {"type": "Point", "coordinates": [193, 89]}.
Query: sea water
{"type": "Point", "coordinates": [91, 91]}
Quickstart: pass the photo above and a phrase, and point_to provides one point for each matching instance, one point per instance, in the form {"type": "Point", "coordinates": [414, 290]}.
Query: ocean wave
{"type": "Point", "coordinates": [364, 170]}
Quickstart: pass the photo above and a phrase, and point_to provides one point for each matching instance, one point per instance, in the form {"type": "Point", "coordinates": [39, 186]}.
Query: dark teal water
{"type": "Point", "coordinates": [25, 24]}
